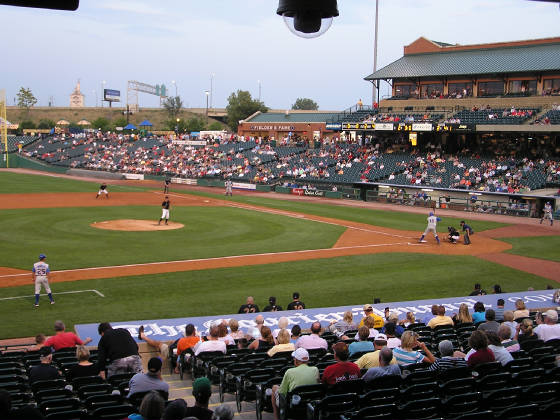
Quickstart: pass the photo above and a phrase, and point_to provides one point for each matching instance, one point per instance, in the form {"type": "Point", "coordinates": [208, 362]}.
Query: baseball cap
{"type": "Point", "coordinates": [154, 365]}
{"type": "Point", "coordinates": [380, 337]}
{"type": "Point", "coordinates": [42, 256]}
{"type": "Point", "coordinates": [45, 351]}
{"type": "Point", "coordinates": [552, 314]}
{"type": "Point", "coordinates": [368, 307]}
{"type": "Point", "coordinates": [301, 354]}
{"type": "Point", "coordinates": [295, 295]}
{"type": "Point", "coordinates": [202, 386]}
{"type": "Point", "coordinates": [272, 300]}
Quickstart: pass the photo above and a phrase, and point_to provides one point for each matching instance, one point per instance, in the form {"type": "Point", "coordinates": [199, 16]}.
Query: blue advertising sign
{"type": "Point", "coordinates": [172, 329]}
{"type": "Point", "coordinates": [112, 95]}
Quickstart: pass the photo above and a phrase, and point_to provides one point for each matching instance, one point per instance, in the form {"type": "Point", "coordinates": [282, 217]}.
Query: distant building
{"type": "Point", "coordinates": [77, 97]}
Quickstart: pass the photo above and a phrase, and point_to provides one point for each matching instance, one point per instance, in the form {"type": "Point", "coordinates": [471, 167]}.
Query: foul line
{"type": "Point", "coordinates": [228, 257]}
{"type": "Point", "coordinates": [58, 293]}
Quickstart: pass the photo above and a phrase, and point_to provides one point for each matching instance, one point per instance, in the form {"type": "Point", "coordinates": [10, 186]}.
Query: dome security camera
{"type": "Point", "coordinates": [308, 18]}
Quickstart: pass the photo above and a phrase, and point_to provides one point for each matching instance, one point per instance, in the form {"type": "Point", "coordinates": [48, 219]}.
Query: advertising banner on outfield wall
{"type": "Point", "coordinates": [172, 329]}
{"type": "Point", "coordinates": [243, 186]}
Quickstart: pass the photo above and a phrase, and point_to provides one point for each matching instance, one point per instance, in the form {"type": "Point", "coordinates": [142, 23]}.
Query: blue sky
{"type": "Point", "coordinates": [240, 42]}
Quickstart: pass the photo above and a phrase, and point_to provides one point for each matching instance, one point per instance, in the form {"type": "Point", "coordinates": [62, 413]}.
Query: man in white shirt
{"type": "Point", "coordinates": [550, 329]}
{"type": "Point", "coordinates": [213, 343]}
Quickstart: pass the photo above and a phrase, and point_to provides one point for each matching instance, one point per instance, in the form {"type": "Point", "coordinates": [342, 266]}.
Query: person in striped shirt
{"type": "Point", "coordinates": [449, 359]}
{"type": "Point", "coordinates": [406, 355]}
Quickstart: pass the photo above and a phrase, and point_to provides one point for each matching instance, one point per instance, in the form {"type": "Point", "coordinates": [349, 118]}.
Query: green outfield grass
{"type": "Point", "coordinates": [545, 247]}
{"type": "Point", "coordinates": [322, 283]}
{"type": "Point", "coordinates": [68, 240]}
{"type": "Point", "coordinates": [15, 183]}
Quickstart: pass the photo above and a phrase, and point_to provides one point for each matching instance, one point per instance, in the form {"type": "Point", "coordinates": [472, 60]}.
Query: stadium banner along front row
{"type": "Point", "coordinates": [172, 329]}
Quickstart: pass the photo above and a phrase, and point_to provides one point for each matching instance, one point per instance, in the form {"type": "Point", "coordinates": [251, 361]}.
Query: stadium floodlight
{"type": "Point", "coordinates": [308, 18]}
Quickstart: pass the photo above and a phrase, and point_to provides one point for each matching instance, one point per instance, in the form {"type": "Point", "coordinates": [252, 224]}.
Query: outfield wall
{"type": "Point", "coordinates": [172, 329]}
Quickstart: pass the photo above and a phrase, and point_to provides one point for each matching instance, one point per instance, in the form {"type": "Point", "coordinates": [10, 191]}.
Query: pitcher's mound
{"type": "Point", "coordinates": [135, 225]}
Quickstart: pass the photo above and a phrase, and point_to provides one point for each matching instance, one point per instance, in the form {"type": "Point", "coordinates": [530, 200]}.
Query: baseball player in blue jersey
{"type": "Point", "coordinates": [41, 278]}
{"type": "Point", "coordinates": [547, 213]}
{"type": "Point", "coordinates": [432, 227]}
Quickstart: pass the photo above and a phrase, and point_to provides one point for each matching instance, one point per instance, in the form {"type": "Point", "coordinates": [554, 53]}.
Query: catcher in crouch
{"type": "Point", "coordinates": [453, 235]}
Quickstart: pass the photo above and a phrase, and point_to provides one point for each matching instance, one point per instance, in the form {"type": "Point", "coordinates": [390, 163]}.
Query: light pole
{"type": "Point", "coordinates": [211, 89]}
{"type": "Point", "coordinates": [174, 84]}
{"type": "Point", "coordinates": [102, 91]}
{"type": "Point", "coordinates": [374, 89]}
{"type": "Point", "coordinates": [207, 94]}
{"type": "Point", "coordinates": [177, 126]}
{"type": "Point", "coordinates": [259, 82]}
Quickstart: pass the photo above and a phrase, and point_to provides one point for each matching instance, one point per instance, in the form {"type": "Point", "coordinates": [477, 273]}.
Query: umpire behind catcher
{"type": "Point", "coordinates": [467, 232]}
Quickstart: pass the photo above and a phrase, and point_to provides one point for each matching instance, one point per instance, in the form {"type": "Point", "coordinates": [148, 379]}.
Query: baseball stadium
{"type": "Point", "coordinates": [333, 209]}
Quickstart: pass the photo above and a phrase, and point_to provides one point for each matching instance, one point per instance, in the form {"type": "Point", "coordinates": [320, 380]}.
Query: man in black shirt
{"type": "Point", "coordinates": [296, 304]}
{"type": "Point", "coordinates": [118, 346]}
{"type": "Point", "coordinates": [201, 390]}
{"type": "Point", "coordinates": [272, 307]}
{"type": "Point", "coordinates": [249, 307]}
{"type": "Point", "coordinates": [44, 370]}
{"type": "Point", "coordinates": [478, 290]}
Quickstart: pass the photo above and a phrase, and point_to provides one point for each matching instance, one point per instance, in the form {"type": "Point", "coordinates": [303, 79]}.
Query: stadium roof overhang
{"type": "Point", "coordinates": [507, 60]}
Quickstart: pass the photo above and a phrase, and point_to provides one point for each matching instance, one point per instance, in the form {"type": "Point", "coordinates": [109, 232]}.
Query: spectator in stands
{"type": "Point", "coordinates": [363, 344]}
{"type": "Point", "coordinates": [390, 332]}
{"type": "Point", "coordinates": [272, 307]}
{"type": "Point", "coordinates": [255, 332]}
{"type": "Point", "coordinates": [479, 314]}
{"type": "Point", "coordinates": [212, 344]}
{"type": "Point", "coordinates": [342, 370]}
{"type": "Point", "coordinates": [39, 343]}
{"type": "Point", "coordinates": [393, 318]}
{"type": "Point", "coordinates": [406, 355]}
{"type": "Point", "coordinates": [84, 366]}
{"type": "Point", "coordinates": [525, 334]}
{"type": "Point", "coordinates": [235, 332]}
{"type": "Point", "coordinates": [508, 320]}
{"type": "Point", "coordinates": [295, 334]}
{"type": "Point", "coordinates": [368, 312]}
{"type": "Point", "coordinates": [478, 291]}
{"type": "Point", "coordinates": [548, 328]}
{"type": "Point", "coordinates": [409, 319]}
{"type": "Point", "coordinates": [463, 316]}
{"type": "Point", "coordinates": [63, 339]}
{"type": "Point", "coordinates": [480, 352]}
{"type": "Point", "coordinates": [176, 409]}
{"type": "Point", "coordinates": [433, 314]}
{"type": "Point", "coordinates": [313, 340]}
{"type": "Point", "coordinates": [440, 318]}
{"type": "Point", "coordinates": [223, 412]}
{"type": "Point", "coordinates": [449, 358]}
{"type": "Point", "coordinates": [490, 325]}
{"type": "Point", "coordinates": [500, 309]}
{"type": "Point", "coordinates": [385, 367]}
{"type": "Point", "coordinates": [283, 345]}
{"type": "Point", "coordinates": [44, 370]}
{"type": "Point", "coordinates": [520, 310]}
{"type": "Point", "coordinates": [504, 332]}
{"type": "Point", "coordinates": [202, 391]}
{"type": "Point", "coordinates": [249, 307]}
{"type": "Point", "coordinates": [188, 341]}
{"type": "Point", "coordinates": [149, 381]}
{"type": "Point", "coordinates": [301, 374]}
{"type": "Point", "coordinates": [500, 352]}
{"type": "Point", "coordinates": [117, 346]}
{"type": "Point", "coordinates": [295, 304]}
{"type": "Point", "coordinates": [265, 341]}
{"type": "Point", "coordinates": [345, 324]}
{"type": "Point", "coordinates": [151, 408]}
{"type": "Point", "coordinates": [369, 322]}
{"type": "Point", "coordinates": [283, 323]}
{"type": "Point", "coordinates": [223, 334]}
{"type": "Point", "coordinates": [371, 359]}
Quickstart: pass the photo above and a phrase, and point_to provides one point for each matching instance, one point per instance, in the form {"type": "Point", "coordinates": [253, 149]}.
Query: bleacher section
{"type": "Point", "coordinates": [495, 116]}
{"type": "Point", "coordinates": [553, 117]}
{"type": "Point", "coordinates": [15, 141]}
